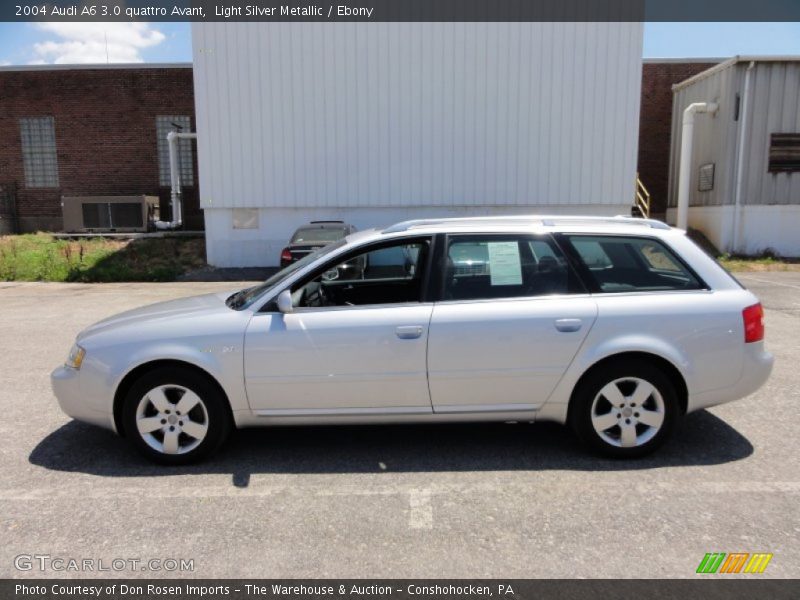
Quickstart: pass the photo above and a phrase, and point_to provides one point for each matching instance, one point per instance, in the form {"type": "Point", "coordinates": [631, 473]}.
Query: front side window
{"type": "Point", "coordinates": [630, 264]}
{"type": "Point", "coordinates": [246, 297]}
{"type": "Point", "coordinates": [481, 267]}
{"type": "Point", "coordinates": [389, 274]}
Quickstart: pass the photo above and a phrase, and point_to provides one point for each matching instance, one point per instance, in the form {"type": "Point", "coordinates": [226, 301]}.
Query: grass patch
{"type": "Point", "coordinates": [42, 257]}
{"type": "Point", "coordinates": [762, 263]}
{"type": "Point", "coordinates": [766, 261]}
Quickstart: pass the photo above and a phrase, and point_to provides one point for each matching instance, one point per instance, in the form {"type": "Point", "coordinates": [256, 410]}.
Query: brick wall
{"type": "Point", "coordinates": [655, 127]}
{"type": "Point", "coordinates": [105, 127]}
{"type": "Point", "coordinates": [106, 136]}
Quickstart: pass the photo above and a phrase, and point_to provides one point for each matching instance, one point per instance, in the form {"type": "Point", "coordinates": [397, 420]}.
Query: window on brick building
{"type": "Point", "coordinates": [39, 158]}
{"type": "Point", "coordinates": [165, 124]}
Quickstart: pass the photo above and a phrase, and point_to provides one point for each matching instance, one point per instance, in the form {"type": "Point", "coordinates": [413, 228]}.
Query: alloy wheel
{"type": "Point", "coordinates": [628, 412]}
{"type": "Point", "coordinates": [172, 419]}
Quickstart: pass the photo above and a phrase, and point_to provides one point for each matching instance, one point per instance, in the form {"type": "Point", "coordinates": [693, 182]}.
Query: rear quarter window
{"type": "Point", "coordinates": [631, 264]}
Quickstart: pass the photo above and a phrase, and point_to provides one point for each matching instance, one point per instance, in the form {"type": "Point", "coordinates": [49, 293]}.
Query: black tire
{"type": "Point", "coordinates": [581, 405]}
{"type": "Point", "coordinates": [216, 415]}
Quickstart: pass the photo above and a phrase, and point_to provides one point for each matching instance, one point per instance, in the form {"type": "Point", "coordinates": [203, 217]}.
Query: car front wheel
{"type": "Point", "coordinates": [175, 416]}
{"type": "Point", "coordinates": [626, 410]}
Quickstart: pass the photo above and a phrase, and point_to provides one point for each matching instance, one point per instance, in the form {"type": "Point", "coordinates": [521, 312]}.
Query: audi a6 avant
{"type": "Point", "coordinates": [615, 326]}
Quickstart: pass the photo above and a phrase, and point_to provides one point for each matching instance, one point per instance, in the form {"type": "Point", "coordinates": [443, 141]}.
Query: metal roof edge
{"type": "Point", "coordinates": [96, 66]}
{"type": "Point", "coordinates": [739, 58]}
{"type": "Point", "coordinates": [687, 60]}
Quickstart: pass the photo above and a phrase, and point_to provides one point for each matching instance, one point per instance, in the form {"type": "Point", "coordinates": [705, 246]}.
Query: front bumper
{"type": "Point", "coordinates": [66, 383]}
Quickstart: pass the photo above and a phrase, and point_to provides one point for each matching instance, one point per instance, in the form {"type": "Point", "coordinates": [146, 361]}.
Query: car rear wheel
{"type": "Point", "coordinates": [175, 416]}
{"type": "Point", "coordinates": [624, 410]}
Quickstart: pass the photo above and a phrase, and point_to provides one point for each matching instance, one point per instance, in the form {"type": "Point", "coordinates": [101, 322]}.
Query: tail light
{"type": "Point", "coordinates": [286, 256]}
{"type": "Point", "coordinates": [753, 317]}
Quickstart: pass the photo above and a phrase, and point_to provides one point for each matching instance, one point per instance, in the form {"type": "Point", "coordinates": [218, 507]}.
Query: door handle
{"type": "Point", "coordinates": [568, 325]}
{"type": "Point", "coordinates": [408, 332]}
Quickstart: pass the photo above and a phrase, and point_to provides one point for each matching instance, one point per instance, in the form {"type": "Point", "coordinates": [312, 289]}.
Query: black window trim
{"type": "Point", "coordinates": [428, 240]}
{"type": "Point", "coordinates": [438, 291]}
{"type": "Point", "coordinates": [591, 283]}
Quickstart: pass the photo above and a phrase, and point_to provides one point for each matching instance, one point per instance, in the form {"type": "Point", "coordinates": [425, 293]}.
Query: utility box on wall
{"type": "Point", "coordinates": [115, 214]}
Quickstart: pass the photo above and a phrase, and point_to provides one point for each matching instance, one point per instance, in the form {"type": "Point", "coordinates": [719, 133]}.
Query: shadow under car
{"type": "Point", "coordinates": [700, 439]}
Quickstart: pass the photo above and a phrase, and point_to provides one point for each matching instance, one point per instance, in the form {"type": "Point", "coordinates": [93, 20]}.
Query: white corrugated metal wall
{"type": "Point", "coordinates": [321, 116]}
{"type": "Point", "coordinates": [715, 136]}
{"type": "Point", "coordinates": [775, 109]}
{"type": "Point", "coordinates": [770, 202]}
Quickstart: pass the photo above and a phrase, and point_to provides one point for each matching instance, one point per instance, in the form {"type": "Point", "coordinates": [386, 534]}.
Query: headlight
{"type": "Point", "coordinates": [75, 358]}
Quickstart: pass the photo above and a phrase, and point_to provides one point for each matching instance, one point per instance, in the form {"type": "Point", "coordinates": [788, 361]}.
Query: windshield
{"type": "Point", "coordinates": [317, 234]}
{"type": "Point", "coordinates": [246, 297]}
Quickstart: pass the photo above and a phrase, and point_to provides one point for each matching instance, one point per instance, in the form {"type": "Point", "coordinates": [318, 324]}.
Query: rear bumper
{"type": "Point", "coordinates": [66, 385]}
{"type": "Point", "coordinates": [756, 369]}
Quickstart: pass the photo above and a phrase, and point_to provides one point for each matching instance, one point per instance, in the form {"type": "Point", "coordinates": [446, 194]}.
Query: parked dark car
{"type": "Point", "coordinates": [315, 235]}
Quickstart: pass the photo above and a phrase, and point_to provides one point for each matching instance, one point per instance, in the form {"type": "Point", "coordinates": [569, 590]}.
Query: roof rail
{"type": "Point", "coordinates": [545, 220]}
{"type": "Point", "coordinates": [617, 220]}
{"type": "Point", "coordinates": [406, 225]}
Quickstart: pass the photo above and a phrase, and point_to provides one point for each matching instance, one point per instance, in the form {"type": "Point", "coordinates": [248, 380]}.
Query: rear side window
{"type": "Point", "coordinates": [480, 267]}
{"type": "Point", "coordinates": [630, 264]}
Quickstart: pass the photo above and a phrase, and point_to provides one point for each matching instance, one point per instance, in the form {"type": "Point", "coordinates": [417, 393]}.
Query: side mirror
{"type": "Point", "coordinates": [284, 302]}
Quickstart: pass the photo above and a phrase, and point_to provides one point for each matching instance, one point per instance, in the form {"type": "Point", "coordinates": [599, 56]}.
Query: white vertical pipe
{"type": "Point", "coordinates": [175, 180]}
{"type": "Point", "coordinates": [685, 172]}
{"type": "Point", "coordinates": [740, 157]}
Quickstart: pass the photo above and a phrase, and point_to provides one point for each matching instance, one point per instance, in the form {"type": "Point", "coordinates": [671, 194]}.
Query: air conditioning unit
{"type": "Point", "coordinates": [109, 214]}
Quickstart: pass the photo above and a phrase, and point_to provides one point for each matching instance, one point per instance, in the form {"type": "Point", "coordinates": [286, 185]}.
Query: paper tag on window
{"type": "Point", "coordinates": [504, 263]}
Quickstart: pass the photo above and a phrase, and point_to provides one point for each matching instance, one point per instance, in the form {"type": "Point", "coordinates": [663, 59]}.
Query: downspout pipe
{"type": "Point", "coordinates": [740, 158]}
{"type": "Point", "coordinates": [175, 180]}
{"type": "Point", "coordinates": [685, 172]}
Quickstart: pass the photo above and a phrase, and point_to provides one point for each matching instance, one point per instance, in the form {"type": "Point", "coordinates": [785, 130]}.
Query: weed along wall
{"type": "Point", "coordinates": [42, 257]}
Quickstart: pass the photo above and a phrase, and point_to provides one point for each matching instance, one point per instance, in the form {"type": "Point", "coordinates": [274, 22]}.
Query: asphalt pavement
{"type": "Point", "coordinates": [479, 500]}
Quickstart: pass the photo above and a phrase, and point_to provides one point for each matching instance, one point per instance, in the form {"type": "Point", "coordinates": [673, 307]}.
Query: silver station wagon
{"type": "Point", "coordinates": [615, 326]}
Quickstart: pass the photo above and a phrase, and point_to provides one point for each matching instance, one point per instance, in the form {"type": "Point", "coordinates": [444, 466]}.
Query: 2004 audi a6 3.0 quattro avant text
{"type": "Point", "coordinates": [616, 326]}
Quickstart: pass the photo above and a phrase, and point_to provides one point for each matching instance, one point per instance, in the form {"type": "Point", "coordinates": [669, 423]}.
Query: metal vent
{"type": "Point", "coordinates": [109, 213]}
{"type": "Point", "coordinates": [784, 152]}
{"type": "Point", "coordinates": [126, 215]}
